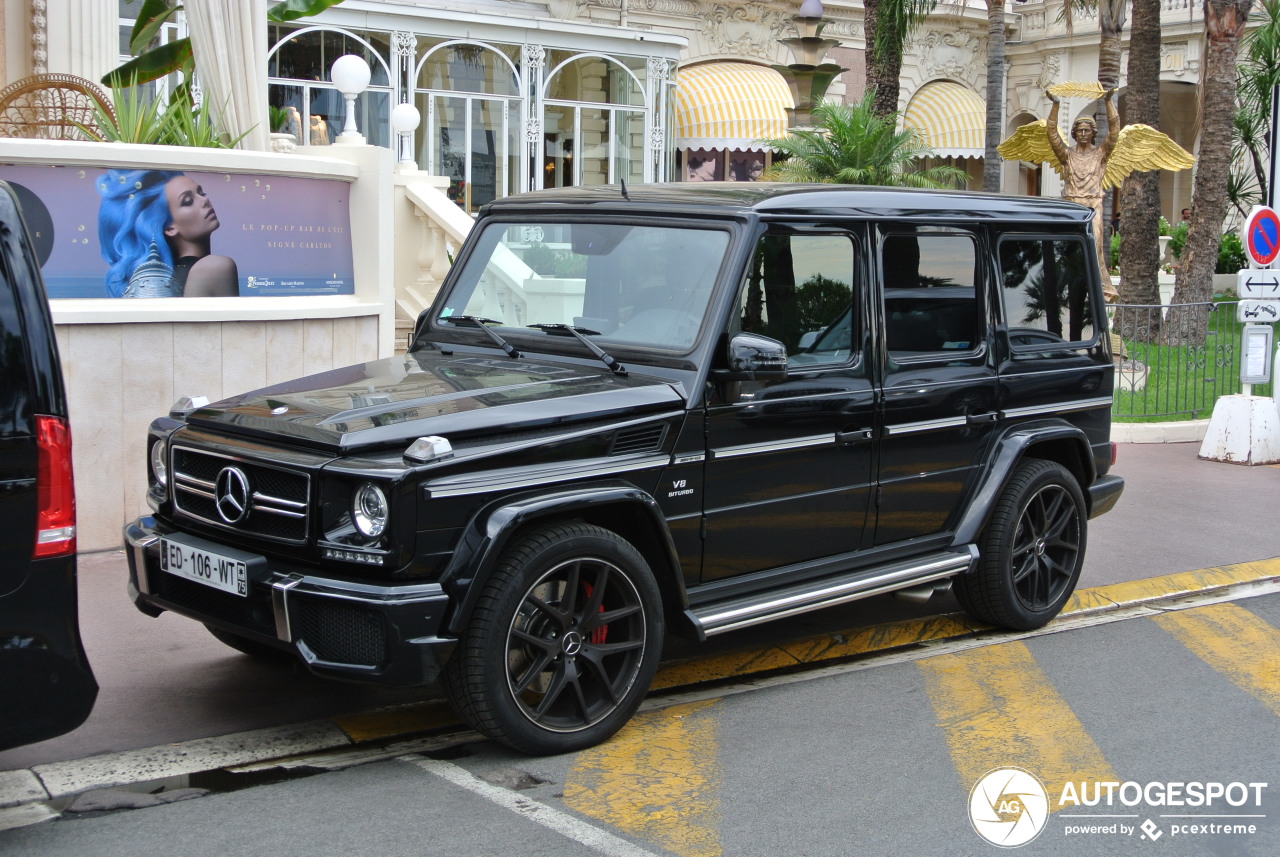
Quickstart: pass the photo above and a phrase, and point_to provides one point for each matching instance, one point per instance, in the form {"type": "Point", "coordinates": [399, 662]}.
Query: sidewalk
{"type": "Point", "coordinates": [168, 688]}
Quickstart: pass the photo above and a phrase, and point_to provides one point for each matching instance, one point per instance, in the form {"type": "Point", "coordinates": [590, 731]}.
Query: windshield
{"type": "Point", "coordinates": [618, 283]}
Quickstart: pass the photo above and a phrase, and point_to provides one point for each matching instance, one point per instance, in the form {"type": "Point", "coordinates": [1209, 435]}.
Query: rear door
{"type": "Point", "coordinates": [940, 385]}
{"type": "Point", "coordinates": [789, 463]}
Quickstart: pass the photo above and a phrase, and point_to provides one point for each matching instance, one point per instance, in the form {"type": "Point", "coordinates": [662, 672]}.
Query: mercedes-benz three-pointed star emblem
{"type": "Point", "coordinates": [231, 495]}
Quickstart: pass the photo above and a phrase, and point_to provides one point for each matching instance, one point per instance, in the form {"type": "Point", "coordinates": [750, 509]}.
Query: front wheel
{"type": "Point", "coordinates": [1030, 552]}
{"type": "Point", "coordinates": [563, 642]}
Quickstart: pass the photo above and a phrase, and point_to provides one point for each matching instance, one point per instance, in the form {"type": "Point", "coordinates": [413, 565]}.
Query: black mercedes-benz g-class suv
{"type": "Point", "coordinates": [690, 406]}
{"type": "Point", "coordinates": [46, 685]}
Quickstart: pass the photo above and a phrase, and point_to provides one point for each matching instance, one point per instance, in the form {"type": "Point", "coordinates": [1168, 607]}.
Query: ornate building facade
{"type": "Point", "coordinates": [517, 95]}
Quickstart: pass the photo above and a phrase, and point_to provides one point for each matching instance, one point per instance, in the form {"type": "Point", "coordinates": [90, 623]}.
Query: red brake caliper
{"type": "Point", "coordinates": [599, 634]}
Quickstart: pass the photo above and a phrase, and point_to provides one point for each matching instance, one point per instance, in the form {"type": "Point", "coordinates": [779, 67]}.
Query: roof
{"type": "Point", "coordinates": [777, 198]}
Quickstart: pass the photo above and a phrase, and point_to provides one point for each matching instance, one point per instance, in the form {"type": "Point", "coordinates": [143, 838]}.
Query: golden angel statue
{"type": "Point", "coordinates": [1089, 168]}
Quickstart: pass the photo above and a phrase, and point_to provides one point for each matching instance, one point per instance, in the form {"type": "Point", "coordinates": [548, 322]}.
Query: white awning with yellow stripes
{"type": "Point", "coordinates": [729, 105]}
{"type": "Point", "coordinates": [953, 119]}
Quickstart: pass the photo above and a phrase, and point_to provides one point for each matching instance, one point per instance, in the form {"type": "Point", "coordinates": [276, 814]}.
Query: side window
{"type": "Point", "coordinates": [1045, 291]}
{"type": "Point", "coordinates": [930, 294]}
{"type": "Point", "coordinates": [800, 292]}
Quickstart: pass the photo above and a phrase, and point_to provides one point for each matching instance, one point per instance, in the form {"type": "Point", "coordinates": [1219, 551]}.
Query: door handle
{"type": "Point", "coordinates": [849, 438]}
{"type": "Point", "coordinates": [980, 419]}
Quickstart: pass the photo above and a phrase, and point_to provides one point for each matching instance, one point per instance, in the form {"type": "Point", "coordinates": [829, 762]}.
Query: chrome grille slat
{"type": "Point", "coordinates": [279, 513]}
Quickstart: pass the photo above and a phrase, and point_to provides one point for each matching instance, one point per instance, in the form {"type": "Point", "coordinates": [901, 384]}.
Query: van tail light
{"type": "Point", "coordinates": [55, 490]}
{"type": "Point", "coordinates": [1115, 453]}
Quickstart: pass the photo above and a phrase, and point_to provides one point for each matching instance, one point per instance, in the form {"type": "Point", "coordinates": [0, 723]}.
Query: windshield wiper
{"type": "Point", "coordinates": [483, 324]}
{"type": "Point", "coordinates": [577, 332]}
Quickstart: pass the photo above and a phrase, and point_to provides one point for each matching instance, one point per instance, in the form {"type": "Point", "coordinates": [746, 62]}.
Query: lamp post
{"type": "Point", "coordinates": [350, 74]}
{"type": "Point", "coordinates": [807, 75]}
{"type": "Point", "coordinates": [404, 120]}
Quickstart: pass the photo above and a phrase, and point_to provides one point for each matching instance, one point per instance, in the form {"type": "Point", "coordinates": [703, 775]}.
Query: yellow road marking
{"type": "Point", "coordinates": [996, 708]}
{"type": "Point", "coordinates": [658, 779]}
{"type": "Point", "coordinates": [399, 720]}
{"type": "Point", "coordinates": [1187, 582]}
{"type": "Point", "coordinates": [1236, 643]}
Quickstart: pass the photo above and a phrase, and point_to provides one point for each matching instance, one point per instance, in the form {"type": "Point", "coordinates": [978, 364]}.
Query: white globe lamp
{"type": "Point", "coordinates": [350, 74]}
{"type": "Point", "coordinates": [404, 121]}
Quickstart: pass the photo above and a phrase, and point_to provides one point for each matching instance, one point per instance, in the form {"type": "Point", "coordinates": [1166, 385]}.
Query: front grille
{"type": "Point", "coordinates": [338, 632]}
{"type": "Point", "coordinates": [277, 505]}
{"type": "Point", "coordinates": [252, 612]}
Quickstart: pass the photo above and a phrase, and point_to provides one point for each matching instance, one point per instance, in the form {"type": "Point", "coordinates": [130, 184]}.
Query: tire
{"type": "Point", "coordinates": [1031, 551]}
{"type": "Point", "coordinates": [252, 648]}
{"type": "Point", "coordinates": [562, 644]}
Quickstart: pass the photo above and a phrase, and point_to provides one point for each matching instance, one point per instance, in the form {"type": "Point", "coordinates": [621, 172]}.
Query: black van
{"type": "Point", "coordinates": [46, 685]}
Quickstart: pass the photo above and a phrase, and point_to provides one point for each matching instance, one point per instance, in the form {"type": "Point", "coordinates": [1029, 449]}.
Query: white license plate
{"type": "Point", "coordinates": [202, 566]}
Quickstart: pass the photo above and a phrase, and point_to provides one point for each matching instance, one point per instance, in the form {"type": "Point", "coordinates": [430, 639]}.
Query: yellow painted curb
{"type": "Point", "coordinates": [425, 716]}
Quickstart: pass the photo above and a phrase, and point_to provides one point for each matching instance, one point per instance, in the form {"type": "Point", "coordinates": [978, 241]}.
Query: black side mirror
{"type": "Point", "coordinates": [752, 357]}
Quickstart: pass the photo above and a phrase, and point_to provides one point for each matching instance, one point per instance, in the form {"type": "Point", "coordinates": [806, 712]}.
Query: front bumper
{"type": "Point", "coordinates": [339, 628]}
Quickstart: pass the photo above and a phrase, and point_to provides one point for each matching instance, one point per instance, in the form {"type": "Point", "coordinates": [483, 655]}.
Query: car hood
{"type": "Point", "coordinates": [392, 401]}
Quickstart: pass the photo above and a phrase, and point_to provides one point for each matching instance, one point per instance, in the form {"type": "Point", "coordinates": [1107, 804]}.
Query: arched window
{"type": "Point", "coordinates": [595, 120]}
{"type": "Point", "coordinates": [298, 81]}
{"type": "Point", "coordinates": [470, 96]}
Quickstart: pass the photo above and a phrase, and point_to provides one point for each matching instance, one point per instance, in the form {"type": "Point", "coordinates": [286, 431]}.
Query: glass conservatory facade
{"type": "Point", "coordinates": [504, 107]}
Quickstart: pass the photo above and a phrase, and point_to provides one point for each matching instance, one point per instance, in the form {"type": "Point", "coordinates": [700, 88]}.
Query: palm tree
{"type": "Point", "coordinates": [1140, 194]}
{"type": "Point", "coordinates": [1259, 73]}
{"type": "Point", "coordinates": [1224, 23]}
{"type": "Point", "coordinates": [852, 144]}
{"type": "Point", "coordinates": [886, 25]}
{"type": "Point", "coordinates": [991, 162]}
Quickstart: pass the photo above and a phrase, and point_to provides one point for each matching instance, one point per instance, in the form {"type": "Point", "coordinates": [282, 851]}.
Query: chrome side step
{"type": "Point", "coordinates": [721, 617]}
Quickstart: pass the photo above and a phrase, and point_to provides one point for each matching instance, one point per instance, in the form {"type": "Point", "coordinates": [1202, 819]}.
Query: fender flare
{"type": "Point", "coordinates": [1008, 452]}
{"type": "Point", "coordinates": [487, 535]}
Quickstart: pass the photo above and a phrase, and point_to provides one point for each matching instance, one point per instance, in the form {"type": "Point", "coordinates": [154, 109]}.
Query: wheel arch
{"type": "Point", "coordinates": [622, 508]}
{"type": "Point", "coordinates": [1051, 441]}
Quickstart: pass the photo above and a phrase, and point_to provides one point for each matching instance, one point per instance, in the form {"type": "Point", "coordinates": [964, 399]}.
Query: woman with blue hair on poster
{"type": "Point", "coordinates": [154, 227]}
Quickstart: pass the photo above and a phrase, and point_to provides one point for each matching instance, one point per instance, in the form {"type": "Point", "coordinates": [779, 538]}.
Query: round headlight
{"type": "Point", "coordinates": [158, 467]}
{"type": "Point", "coordinates": [369, 510]}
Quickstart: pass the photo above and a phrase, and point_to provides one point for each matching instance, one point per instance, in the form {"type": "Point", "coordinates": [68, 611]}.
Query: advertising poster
{"type": "Point", "coordinates": [124, 233]}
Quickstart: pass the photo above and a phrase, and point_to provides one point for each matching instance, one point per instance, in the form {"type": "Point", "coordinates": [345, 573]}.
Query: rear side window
{"type": "Point", "coordinates": [1044, 287]}
{"type": "Point", "coordinates": [931, 301]}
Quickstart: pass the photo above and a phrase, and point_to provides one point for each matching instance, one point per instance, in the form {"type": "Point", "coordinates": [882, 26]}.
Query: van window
{"type": "Point", "coordinates": [930, 294]}
{"type": "Point", "coordinates": [800, 292]}
{"type": "Point", "coordinates": [1045, 291]}
{"type": "Point", "coordinates": [14, 380]}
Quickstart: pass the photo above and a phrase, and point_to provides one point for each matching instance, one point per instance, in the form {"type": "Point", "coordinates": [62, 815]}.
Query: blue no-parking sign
{"type": "Point", "coordinates": [1261, 233]}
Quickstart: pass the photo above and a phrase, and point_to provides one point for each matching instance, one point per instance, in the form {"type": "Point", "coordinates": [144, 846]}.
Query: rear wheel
{"type": "Point", "coordinates": [1031, 551]}
{"type": "Point", "coordinates": [562, 644]}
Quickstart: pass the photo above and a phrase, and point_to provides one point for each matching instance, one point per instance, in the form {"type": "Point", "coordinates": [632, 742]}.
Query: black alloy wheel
{"type": "Point", "coordinates": [1031, 551]}
{"type": "Point", "coordinates": [563, 643]}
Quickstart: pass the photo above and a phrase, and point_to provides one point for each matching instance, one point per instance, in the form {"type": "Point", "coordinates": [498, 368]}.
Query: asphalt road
{"type": "Point", "coordinates": [166, 680]}
{"type": "Point", "coordinates": [880, 758]}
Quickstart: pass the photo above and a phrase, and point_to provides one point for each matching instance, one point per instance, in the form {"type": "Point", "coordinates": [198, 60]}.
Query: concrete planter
{"type": "Point", "coordinates": [1131, 376]}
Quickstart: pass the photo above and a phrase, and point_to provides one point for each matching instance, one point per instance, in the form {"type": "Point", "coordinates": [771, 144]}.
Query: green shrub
{"type": "Point", "coordinates": [1231, 256]}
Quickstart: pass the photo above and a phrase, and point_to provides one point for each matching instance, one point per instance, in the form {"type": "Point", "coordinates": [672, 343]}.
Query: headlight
{"type": "Point", "coordinates": [159, 469]}
{"type": "Point", "coordinates": [369, 510]}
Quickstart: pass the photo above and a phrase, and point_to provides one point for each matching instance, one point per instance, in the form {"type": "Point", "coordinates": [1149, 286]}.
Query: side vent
{"type": "Point", "coordinates": [642, 439]}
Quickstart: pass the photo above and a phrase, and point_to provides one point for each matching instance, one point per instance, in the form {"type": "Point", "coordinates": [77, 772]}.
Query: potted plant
{"type": "Point", "coordinates": [282, 137]}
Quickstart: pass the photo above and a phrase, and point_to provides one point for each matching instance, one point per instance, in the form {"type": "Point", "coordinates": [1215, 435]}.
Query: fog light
{"type": "Point", "coordinates": [369, 510]}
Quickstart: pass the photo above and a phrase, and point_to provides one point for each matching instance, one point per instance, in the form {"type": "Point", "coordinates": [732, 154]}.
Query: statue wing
{"type": "Point", "coordinates": [1030, 143]}
{"type": "Point", "coordinates": [1141, 147]}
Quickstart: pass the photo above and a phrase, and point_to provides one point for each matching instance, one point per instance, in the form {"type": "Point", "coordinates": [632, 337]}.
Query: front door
{"type": "Point", "coordinates": [789, 463]}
